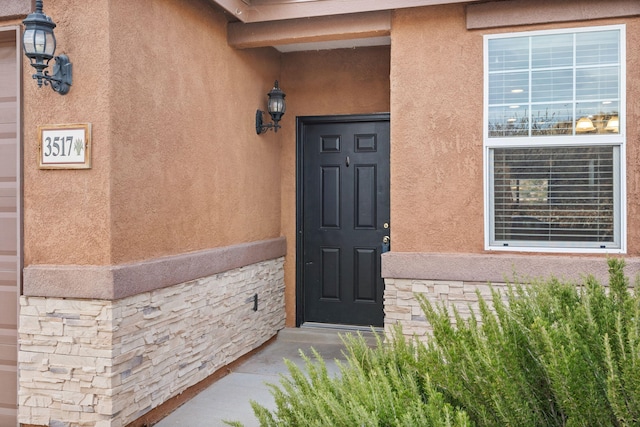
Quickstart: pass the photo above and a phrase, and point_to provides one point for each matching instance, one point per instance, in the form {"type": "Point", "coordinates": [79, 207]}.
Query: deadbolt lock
{"type": "Point", "coordinates": [386, 225]}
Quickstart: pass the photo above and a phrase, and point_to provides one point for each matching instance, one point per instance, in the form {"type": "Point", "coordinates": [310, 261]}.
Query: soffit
{"type": "Point", "coordinates": [275, 10]}
{"type": "Point", "coordinates": [316, 33]}
{"type": "Point", "coordinates": [294, 25]}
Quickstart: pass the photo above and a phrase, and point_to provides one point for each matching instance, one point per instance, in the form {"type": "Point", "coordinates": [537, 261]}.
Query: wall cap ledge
{"type": "Point", "coordinates": [125, 280]}
{"type": "Point", "coordinates": [498, 268]}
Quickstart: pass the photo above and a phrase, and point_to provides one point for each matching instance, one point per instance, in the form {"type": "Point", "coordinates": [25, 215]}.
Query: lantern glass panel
{"type": "Point", "coordinates": [28, 40]}
{"type": "Point", "coordinates": [276, 105]}
{"type": "Point", "coordinates": [37, 41]}
{"type": "Point", "coordinates": [50, 44]}
{"type": "Point", "coordinates": [40, 41]}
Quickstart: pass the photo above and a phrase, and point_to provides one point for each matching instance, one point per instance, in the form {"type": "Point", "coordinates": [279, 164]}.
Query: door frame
{"type": "Point", "coordinates": [301, 121]}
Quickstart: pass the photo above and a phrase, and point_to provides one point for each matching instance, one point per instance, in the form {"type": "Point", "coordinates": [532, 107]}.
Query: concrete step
{"type": "Point", "coordinates": [325, 334]}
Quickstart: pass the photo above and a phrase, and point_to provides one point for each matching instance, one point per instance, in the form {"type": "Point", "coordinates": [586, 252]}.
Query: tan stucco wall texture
{"type": "Point", "coordinates": [436, 130]}
{"type": "Point", "coordinates": [177, 166]}
{"type": "Point", "coordinates": [633, 136]}
{"type": "Point", "coordinates": [330, 82]}
{"type": "Point", "coordinates": [66, 213]}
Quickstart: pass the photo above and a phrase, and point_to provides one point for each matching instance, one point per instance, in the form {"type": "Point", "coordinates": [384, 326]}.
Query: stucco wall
{"type": "Point", "coordinates": [189, 171]}
{"type": "Point", "coordinates": [633, 138]}
{"type": "Point", "coordinates": [181, 188]}
{"type": "Point", "coordinates": [177, 166]}
{"type": "Point", "coordinates": [436, 130]}
{"type": "Point", "coordinates": [330, 82]}
{"type": "Point", "coordinates": [66, 212]}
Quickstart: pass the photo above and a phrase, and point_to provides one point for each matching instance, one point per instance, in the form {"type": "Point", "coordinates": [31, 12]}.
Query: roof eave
{"type": "Point", "coordinates": [275, 10]}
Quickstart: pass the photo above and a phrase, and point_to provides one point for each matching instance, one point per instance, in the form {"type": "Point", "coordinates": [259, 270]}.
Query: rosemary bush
{"type": "Point", "coordinates": [376, 387]}
{"type": "Point", "coordinates": [545, 354]}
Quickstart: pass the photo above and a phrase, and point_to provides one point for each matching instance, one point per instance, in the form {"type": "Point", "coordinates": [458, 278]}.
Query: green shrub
{"type": "Point", "coordinates": [376, 387]}
{"type": "Point", "coordinates": [545, 354]}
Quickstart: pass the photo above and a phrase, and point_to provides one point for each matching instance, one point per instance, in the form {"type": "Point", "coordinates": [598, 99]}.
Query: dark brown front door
{"type": "Point", "coordinates": [344, 203]}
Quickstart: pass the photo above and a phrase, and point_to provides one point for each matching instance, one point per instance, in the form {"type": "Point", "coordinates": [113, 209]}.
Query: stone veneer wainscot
{"type": "Point", "coordinates": [106, 363]}
{"type": "Point", "coordinates": [456, 280]}
{"type": "Point", "coordinates": [402, 306]}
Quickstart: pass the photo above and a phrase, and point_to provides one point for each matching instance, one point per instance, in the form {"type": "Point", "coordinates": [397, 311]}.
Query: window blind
{"type": "Point", "coordinates": [554, 194]}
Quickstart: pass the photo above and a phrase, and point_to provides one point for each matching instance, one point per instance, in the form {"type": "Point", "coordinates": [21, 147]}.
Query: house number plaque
{"type": "Point", "coordinates": [64, 146]}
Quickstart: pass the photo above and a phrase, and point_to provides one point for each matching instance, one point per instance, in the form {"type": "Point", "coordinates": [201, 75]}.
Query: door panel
{"type": "Point", "coordinates": [330, 202]}
{"type": "Point", "coordinates": [345, 203]}
{"type": "Point", "coordinates": [330, 280]}
{"type": "Point", "coordinates": [365, 197]}
{"type": "Point", "coordinates": [365, 269]}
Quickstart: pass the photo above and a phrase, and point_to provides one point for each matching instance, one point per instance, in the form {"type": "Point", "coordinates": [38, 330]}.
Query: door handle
{"type": "Point", "coordinates": [386, 247]}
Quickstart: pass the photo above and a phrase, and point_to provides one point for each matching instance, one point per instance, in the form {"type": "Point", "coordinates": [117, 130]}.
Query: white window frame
{"type": "Point", "coordinates": [619, 140]}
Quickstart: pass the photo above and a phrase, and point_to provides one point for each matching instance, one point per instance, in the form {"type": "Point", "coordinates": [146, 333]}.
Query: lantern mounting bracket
{"type": "Point", "coordinates": [61, 79]}
{"type": "Point", "coordinates": [260, 127]}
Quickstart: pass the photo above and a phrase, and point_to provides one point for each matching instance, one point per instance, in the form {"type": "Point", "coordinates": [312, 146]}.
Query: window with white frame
{"type": "Point", "coordinates": [554, 140]}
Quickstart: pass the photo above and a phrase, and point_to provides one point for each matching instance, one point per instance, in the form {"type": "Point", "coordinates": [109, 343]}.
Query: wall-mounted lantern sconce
{"type": "Point", "coordinates": [39, 46]}
{"type": "Point", "coordinates": [276, 107]}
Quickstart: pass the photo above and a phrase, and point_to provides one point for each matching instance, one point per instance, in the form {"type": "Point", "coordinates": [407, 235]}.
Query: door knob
{"type": "Point", "coordinates": [386, 247]}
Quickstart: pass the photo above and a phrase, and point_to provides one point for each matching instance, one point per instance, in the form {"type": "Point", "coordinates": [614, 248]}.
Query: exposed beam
{"type": "Point", "coordinates": [308, 30]}
{"type": "Point", "coordinates": [275, 10]}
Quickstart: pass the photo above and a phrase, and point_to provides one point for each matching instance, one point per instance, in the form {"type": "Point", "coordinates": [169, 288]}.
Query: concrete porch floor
{"type": "Point", "coordinates": [228, 398]}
